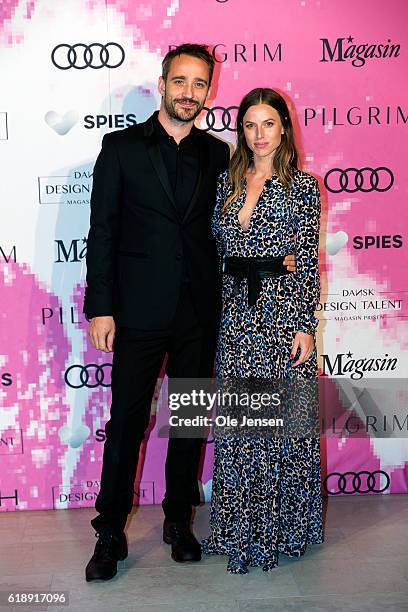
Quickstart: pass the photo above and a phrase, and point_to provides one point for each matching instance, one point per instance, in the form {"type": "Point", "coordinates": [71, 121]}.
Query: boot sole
{"type": "Point", "coordinates": [167, 540]}
{"type": "Point", "coordinates": [122, 558]}
{"type": "Point", "coordinates": [186, 560]}
{"type": "Point", "coordinates": [100, 579]}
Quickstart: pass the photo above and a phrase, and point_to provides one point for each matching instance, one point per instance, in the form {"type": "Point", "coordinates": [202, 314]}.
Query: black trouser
{"type": "Point", "coordinates": [137, 360]}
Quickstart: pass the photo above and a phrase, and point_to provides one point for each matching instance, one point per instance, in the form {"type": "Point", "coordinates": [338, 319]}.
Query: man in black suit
{"type": "Point", "coordinates": [152, 290]}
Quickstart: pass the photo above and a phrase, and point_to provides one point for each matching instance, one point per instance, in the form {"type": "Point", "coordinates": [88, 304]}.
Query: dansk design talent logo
{"type": "Point", "coordinates": [85, 494]}
{"type": "Point", "coordinates": [344, 49]}
{"type": "Point", "coordinates": [74, 189]}
{"type": "Point", "coordinates": [81, 56]}
{"type": "Point", "coordinates": [11, 442]}
{"type": "Point", "coordinates": [359, 305]}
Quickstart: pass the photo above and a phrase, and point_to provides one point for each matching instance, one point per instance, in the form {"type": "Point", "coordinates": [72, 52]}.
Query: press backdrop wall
{"type": "Point", "coordinates": [72, 70]}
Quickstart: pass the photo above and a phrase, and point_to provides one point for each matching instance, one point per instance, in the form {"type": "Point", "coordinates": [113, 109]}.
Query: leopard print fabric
{"type": "Point", "coordinates": [266, 496]}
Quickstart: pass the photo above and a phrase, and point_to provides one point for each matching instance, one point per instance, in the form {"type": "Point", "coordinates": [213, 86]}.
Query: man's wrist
{"type": "Point", "coordinates": [94, 316]}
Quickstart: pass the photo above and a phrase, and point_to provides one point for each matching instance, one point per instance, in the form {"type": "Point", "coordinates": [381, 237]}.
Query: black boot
{"type": "Point", "coordinates": [184, 546]}
{"type": "Point", "coordinates": [110, 548]}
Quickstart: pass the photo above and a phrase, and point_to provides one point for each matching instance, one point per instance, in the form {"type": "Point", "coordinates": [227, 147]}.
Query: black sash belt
{"type": "Point", "coordinates": [254, 269]}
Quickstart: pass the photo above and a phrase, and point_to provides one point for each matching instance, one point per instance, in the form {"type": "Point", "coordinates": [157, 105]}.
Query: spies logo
{"type": "Point", "coordinates": [109, 121]}
{"type": "Point", "coordinates": [378, 242]}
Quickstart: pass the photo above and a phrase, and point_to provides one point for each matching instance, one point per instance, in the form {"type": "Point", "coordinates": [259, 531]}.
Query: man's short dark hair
{"type": "Point", "coordinates": [199, 51]}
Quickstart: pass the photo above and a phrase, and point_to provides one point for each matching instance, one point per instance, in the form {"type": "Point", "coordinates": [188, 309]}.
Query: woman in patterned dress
{"type": "Point", "coordinates": [266, 496]}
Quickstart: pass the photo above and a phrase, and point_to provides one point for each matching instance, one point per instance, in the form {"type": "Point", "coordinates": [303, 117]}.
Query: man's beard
{"type": "Point", "coordinates": [178, 113]}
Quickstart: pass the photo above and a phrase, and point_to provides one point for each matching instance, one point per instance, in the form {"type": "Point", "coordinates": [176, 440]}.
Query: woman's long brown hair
{"type": "Point", "coordinates": [285, 159]}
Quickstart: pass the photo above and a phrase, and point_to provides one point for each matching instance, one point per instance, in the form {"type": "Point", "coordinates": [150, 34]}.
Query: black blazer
{"type": "Point", "coordinates": [137, 240]}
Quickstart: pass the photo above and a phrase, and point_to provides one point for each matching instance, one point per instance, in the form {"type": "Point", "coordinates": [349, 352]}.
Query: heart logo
{"type": "Point", "coordinates": [61, 124]}
{"type": "Point", "coordinates": [74, 438]}
{"type": "Point", "coordinates": [335, 242]}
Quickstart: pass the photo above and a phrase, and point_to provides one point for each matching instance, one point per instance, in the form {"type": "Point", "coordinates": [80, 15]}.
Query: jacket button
{"type": "Point", "coordinates": [179, 256]}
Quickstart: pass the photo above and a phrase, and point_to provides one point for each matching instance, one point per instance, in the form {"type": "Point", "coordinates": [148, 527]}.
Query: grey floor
{"type": "Point", "coordinates": [363, 564]}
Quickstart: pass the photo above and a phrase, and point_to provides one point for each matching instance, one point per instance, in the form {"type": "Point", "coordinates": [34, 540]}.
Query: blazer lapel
{"type": "Point", "coordinates": [154, 153]}
{"type": "Point", "coordinates": [203, 165]}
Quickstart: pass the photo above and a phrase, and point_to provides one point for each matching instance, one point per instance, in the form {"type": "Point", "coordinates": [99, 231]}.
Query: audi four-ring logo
{"type": "Point", "coordinates": [365, 179]}
{"type": "Point", "coordinates": [90, 376]}
{"type": "Point", "coordinates": [359, 482]}
{"type": "Point", "coordinates": [218, 119]}
{"type": "Point", "coordinates": [82, 56]}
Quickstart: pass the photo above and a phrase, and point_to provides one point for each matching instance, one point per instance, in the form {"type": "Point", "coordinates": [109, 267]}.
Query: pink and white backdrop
{"type": "Point", "coordinates": [342, 65]}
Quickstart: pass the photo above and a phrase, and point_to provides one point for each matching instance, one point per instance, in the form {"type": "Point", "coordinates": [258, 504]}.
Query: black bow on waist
{"type": "Point", "coordinates": [254, 269]}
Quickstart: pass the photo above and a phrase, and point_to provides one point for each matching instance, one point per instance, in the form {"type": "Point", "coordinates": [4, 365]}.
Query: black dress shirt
{"type": "Point", "coordinates": [182, 165]}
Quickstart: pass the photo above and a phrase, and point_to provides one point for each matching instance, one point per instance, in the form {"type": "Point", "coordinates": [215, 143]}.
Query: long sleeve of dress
{"type": "Point", "coordinates": [307, 271]}
{"type": "Point", "coordinates": [215, 220]}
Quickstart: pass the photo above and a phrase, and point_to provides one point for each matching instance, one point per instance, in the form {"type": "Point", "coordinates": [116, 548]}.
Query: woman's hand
{"type": "Point", "coordinates": [306, 344]}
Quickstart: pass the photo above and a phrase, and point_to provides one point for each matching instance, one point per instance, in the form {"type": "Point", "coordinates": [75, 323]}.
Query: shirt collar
{"type": "Point", "coordinates": [162, 134]}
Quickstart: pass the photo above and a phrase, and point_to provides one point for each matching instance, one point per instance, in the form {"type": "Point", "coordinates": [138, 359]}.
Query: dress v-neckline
{"type": "Point", "coordinates": [243, 196]}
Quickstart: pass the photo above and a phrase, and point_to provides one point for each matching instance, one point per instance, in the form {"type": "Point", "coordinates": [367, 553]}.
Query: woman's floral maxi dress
{"type": "Point", "coordinates": [266, 495]}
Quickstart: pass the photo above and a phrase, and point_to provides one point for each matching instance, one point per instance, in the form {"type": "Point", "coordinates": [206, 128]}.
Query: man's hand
{"type": "Point", "coordinates": [306, 344]}
{"type": "Point", "coordinates": [290, 262]}
{"type": "Point", "coordinates": [102, 333]}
